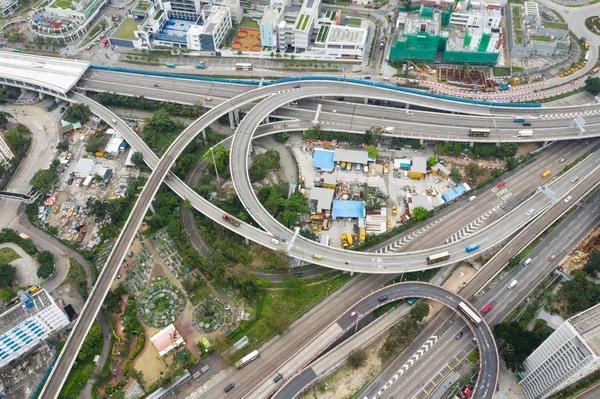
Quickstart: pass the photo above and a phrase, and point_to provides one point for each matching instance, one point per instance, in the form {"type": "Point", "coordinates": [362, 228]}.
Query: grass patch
{"type": "Point", "coordinates": [248, 22]}
{"type": "Point", "coordinates": [158, 15]}
{"type": "Point", "coordinates": [322, 35]}
{"type": "Point", "coordinates": [558, 15]}
{"type": "Point", "coordinates": [518, 69]}
{"type": "Point", "coordinates": [501, 71]}
{"type": "Point", "coordinates": [353, 21]}
{"type": "Point", "coordinates": [64, 4]}
{"type": "Point", "coordinates": [77, 277]}
{"type": "Point", "coordinates": [555, 25]}
{"type": "Point", "coordinates": [519, 38]}
{"type": "Point", "coordinates": [274, 310]}
{"type": "Point", "coordinates": [7, 255]}
{"type": "Point", "coordinates": [516, 12]}
{"type": "Point", "coordinates": [517, 23]}
{"type": "Point", "coordinates": [538, 38]}
{"type": "Point", "coordinates": [126, 29]}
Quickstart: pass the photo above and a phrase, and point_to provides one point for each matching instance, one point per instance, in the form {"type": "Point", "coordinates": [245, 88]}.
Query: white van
{"type": "Point", "coordinates": [512, 284]}
{"type": "Point", "coordinates": [527, 262]}
{"type": "Point", "coordinates": [114, 120]}
{"type": "Point", "coordinates": [275, 241]}
{"type": "Point", "coordinates": [472, 198]}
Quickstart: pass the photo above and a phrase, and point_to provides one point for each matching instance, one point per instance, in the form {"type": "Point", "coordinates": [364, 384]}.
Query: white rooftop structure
{"type": "Point", "coordinates": [113, 145]}
{"type": "Point", "coordinates": [84, 167]}
{"type": "Point", "coordinates": [26, 324]}
{"type": "Point", "coordinates": [44, 74]}
{"type": "Point", "coordinates": [346, 35]}
{"type": "Point", "coordinates": [167, 339]}
{"type": "Point", "coordinates": [323, 196]}
{"type": "Point", "coordinates": [354, 156]}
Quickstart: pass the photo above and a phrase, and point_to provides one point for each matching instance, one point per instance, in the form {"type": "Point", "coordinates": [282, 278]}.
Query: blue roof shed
{"type": "Point", "coordinates": [456, 192]}
{"type": "Point", "coordinates": [347, 209]}
{"type": "Point", "coordinates": [323, 159]}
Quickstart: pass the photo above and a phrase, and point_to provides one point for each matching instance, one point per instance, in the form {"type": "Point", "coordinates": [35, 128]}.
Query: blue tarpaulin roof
{"type": "Point", "coordinates": [323, 159]}
{"type": "Point", "coordinates": [347, 209]}
{"type": "Point", "coordinates": [456, 192]}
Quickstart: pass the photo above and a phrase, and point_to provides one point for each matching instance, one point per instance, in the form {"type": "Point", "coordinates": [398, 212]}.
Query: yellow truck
{"type": "Point", "coordinates": [316, 228]}
{"type": "Point", "coordinates": [316, 217]}
{"type": "Point", "coordinates": [546, 174]}
{"type": "Point", "coordinates": [394, 211]}
{"type": "Point", "coordinates": [325, 224]}
{"type": "Point", "coordinates": [363, 235]}
{"type": "Point", "coordinates": [344, 241]}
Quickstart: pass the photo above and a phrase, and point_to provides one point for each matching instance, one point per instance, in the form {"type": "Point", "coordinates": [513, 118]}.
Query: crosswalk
{"type": "Point", "coordinates": [396, 245]}
{"type": "Point", "coordinates": [413, 359]}
{"type": "Point", "coordinates": [471, 227]}
{"type": "Point", "coordinates": [570, 114]}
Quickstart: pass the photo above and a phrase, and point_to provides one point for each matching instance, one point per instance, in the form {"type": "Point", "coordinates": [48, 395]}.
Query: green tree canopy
{"type": "Point", "coordinates": [508, 150]}
{"type": "Point", "coordinates": [16, 141]}
{"type": "Point", "coordinates": [7, 274]}
{"type": "Point", "coordinates": [372, 151]}
{"type": "Point", "coordinates": [592, 85]}
{"type": "Point", "coordinates": [432, 161]}
{"type": "Point", "coordinates": [62, 146]}
{"type": "Point", "coordinates": [4, 117]}
{"type": "Point", "coordinates": [455, 176]}
{"type": "Point", "coordinates": [420, 213]}
{"type": "Point", "coordinates": [593, 265]}
{"type": "Point", "coordinates": [46, 264]}
{"type": "Point", "coordinates": [137, 158]}
{"type": "Point", "coordinates": [43, 180]}
{"type": "Point", "coordinates": [473, 171]}
{"type": "Point", "coordinates": [77, 113]}
{"type": "Point", "coordinates": [419, 311]}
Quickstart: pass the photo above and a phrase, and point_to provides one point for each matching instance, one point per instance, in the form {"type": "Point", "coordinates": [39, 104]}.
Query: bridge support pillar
{"type": "Point", "coordinates": [246, 240]}
{"type": "Point", "coordinates": [472, 143]}
{"type": "Point", "coordinates": [203, 132]}
{"type": "Point", "coordinates": [351, 273]}
{"type": "Point", "coordinates": [40, 95]}
{"type": "Point", "coordinates": [236, 114]}
{"type": "Point", "coordinates": [366, 101]}
{"type": "Point", "coordinates": [421, 140]}
{"type": "Point", "coordinates": [407, 107]}
{"type": "Point", "coordinates": [231, 120]}
{"type": "Point", "coordinates": [545, 143]}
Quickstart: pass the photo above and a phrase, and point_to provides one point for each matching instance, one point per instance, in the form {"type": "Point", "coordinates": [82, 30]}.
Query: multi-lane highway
{"type": "Point", "coordinates": [160, 172]}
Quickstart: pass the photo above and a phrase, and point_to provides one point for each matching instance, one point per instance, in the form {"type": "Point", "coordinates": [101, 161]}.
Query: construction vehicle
{"type": "Point", "coordinates": [388, 223]}
{"type": "Point", "coordinates": [385, 170]}
{"type": "Point", "coordinates": [100, 154]}
{"type": "Point", "coordinates": [231, 219]}
{"type": "Point", "coordinates": [344, 241]}
{"type": "Point", "coordinates": [394, 211]}
{"type": "Point", "coordinates": [316, 217]}
{"type": "Point", "coordinates": [363, 235]}
{"type": "Point", "coordinates": [343, 165]}
{"type": "Point", "coordinates": [325, 224]}
{"type": "Point", "coordinates": [316, 228]}
{"type": "Point", "coordinates": [415, 66]}
{"type": "Point", "coordinates": [516, 81]}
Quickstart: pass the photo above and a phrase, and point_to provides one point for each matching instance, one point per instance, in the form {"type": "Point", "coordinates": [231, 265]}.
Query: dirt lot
{"type": "Point", "coordinates": [460, 276]}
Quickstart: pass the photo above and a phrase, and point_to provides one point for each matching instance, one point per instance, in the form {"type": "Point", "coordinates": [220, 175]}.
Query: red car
{"type": "Point", "coordinates": [353, 313]}
{"type": "Point", "coordinates": [501, 184]}
{"type": "Point", "coordinates": [486, 308]}
{"type": "Point", "coordinates": [208, 99]}
{"type": "Point", "coordinates": [552, 258]}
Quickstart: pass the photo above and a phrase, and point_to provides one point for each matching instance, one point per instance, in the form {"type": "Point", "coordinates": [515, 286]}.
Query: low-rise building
{"type": "Point", "coordinates": [441, 170]}
{"type": "Point", "coordinates": [167, 339]}
{"type": "Point", "coordinates": [322, 197]}
{"type": "Point", "coordinates": [5, 152]}
{"type": "Point", "coordinates": [7, 6]}
{"type": "Point", "coordinates": [210, 35]}
{"type": "Point", "coordinates": [345, 42]}
{"type": "Point", "coordinates": [418, 169]}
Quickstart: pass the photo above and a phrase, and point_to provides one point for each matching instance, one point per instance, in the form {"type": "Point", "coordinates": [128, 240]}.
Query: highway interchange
{"type": "Point", "coordinates": [282, 94]}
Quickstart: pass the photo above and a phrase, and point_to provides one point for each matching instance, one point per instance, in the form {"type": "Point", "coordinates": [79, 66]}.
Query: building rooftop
{"type": "Point", "coordinates": [323, 159]}
{"type": "Point", "coordinates": [415, 25]}
{"type": "Point", "coordinates": [270, 16]}
{"type": "Point", "coordinates": [18, 313]}
{"type": "Point", "coordinates": [217, 14]}
{"type": "Point", "coordinates": [54, 73]}
{"type": "Point", "coordinates": [587, 324]}
{"type": "Point", "coordinates": [167, 339]}
{"type": "Point", "coordinates": [419, 165]}
{"type": "Point", "coordinates": [423, 201]}
{"type": "Point", "coordinates": [346, 34]}
{"type": "Point", "coordinates": [348, 209]}
{"type": "Point", "coordinates": [354, 156]}
{"type": "Point", "coordinates": [323, 196]}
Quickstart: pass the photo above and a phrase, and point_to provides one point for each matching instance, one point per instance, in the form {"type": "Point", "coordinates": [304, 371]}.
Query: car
{"type": "Point", "coordinates": [156, 85]}
{"type": "Point", "coordinates": [62, 109]}
{"type": "Point", "coordinates": [208, 99]}
{"type": "Point", "coordinates": [574, 180]}
{"type": "Point", "coordinates": [552, 257]}
{"type": "Point", "coordinates": [569, 198]}
{"type": "Point", "coordinates": [229, 387]}
{"type": "Point", "coordinates": [382, 298]}
{"type": "Point", "coordinates": [529, 212]}
{"type": "Point", "coordinates": [70, 181]}
{"type": "Point", "coordinates": [486, 308]}
{"type": "Point", "coordinates": [459, 335]}
{"type": "Point", "coordinates": [293, 103]}
{"type": "Point", "coordinates": [298, 86]}
{"type": "Point", "coordinates": [277, 378]}
{"type": "Point", "coordinates": [353, 313]}
{"type": "Point", "coordinates": [562, 160]}
{"type": "Point", "coordinates": [472, 198]}
{"type": "Point", "coordinates": [298, 274]}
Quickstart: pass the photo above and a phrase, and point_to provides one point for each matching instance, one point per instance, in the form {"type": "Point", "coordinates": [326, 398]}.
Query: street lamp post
{"type": "Point", "coordinates": [212, 153]}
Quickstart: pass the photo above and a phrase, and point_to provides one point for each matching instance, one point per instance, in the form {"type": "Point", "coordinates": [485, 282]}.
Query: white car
{"type": "Point", "coordinates": [569, 198]}
{"type": "Point", "coordinates": [529, 212]}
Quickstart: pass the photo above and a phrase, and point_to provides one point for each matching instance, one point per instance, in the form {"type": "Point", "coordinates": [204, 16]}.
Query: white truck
{"type": "Point", "coordinates": [389, 129]}
{"type": "Point", "coordinates": [525, 133]}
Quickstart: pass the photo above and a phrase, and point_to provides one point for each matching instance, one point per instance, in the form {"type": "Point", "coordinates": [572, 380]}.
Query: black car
{"type": "Point", "coordinates": [62, 109]}
{"type": "Point", "coordinates": [298, 86]}
{"type": "Point", "coordinates": [459, 335]}
{"type": "Point", "coordinates": [298, 274]}
{"type": "Point", "coordinates": [277, 378]}
{"type": "Point", "coordinates": [382, 298]}
{"type": "Point", "coordinates": [229, 387]}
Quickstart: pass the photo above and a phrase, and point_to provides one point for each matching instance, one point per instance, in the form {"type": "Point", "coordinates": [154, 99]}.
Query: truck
{"type": "Point", "coordinates": [24, 236]}
{"type": "Point", "coordinates": [394, 211]}
{"type": "Point", "coordinates": [525, 133]}
{"type": "Point", "coordinates": [105, 42]}
{"type": "Point", "coordinates": [349, 167]}
{"type": "Point", "coordinates": [471, 248]}
{"type": "Point", "coordinates": [344, 241]}
{"type": "Point", "coordinates": [519, 119]}
{"type": "Point", "coordinates": [343, 165]}
{"type": "Point", "coordinates": [546, 174]}
{"type": "Point", "coordinates": [358, 168]}
{"type": "Point", "coordinates": [316, 217]}
{"type": "Point", "coordinates": [586, 57]}
{"type": "Point", "coordinates": [385, 170]}
{"type": "Point", "coordinates": [100, 154]}
{"type": "Point", "coordinates": [230, 219]}
{"type": "Point", "coordinates": [363, 235]}
{"type": "Point", "coordinates": [389, 129]}
{"type": "Point", "coordinates": [123, 146]}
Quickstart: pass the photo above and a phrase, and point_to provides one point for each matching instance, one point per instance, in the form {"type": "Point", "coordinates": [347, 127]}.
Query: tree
{"type": "Point", "coordinates": [432, 161]}
{"type": "Point", "coordinates": [93, 144]}
{"type": "Point", "coordinates": [16, 141]}
{"type": "Point", "coordinates": [419, 311]}
{"type": "Point", "coordinates": [63, 146]}
{"type": "Point", "coordinates": [4, 117]}
{"type": "Point", "coordinates": [293, 283]}
{"type": "Point", "coordinates": [77, 113]}
{"type": "Point", "coordinates": [420, 213]}
{"type": "Point", "coordinates": [457, 148]}
{"type": "Point", "coordinates": [593, 265]}
{"type": "Point", "coordinates": [520, 343]}
{"type": "Point", "coordinates": [372, 152]}
{"type": "Point", "coordinates": [512, 163]}
{"type": "Point", "coordinates": [43, 180]}
{"type": "Point", "coordinates": [46, 264]}
{"type": "Point", "coordinates": [593, 85]}
{"type": "Point", "coordinates": [307, 233]}
{"type": "Point", "coordinates": [357, 358]}
{"type": "Point", "coordinates": [187, 204]}
{"type": "Point", "coordinates": [473, 171]}
{"type": "Point", "coordinates": [137, 158]}
{"type": "Point", "coordinates": [455, 176]}
{"type": "Point", "coordinates": [5, 296]}
{"type": "Point", "coordinates": [508, 150]}
{"type": "Point", "coordinates": [7, 274]}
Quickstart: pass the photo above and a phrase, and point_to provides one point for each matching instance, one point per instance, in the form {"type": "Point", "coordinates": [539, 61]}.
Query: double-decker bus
{"type": "Point", "coordinates": [479, 132]}
{"type": "Point", "coordinates": [442, 256]}
{"type": "Point", "coordinates": [471, 315]}
{"type": "Point", "coordinates": [250, 357]}
{"type": "Point", "coordinates": [241, 66]}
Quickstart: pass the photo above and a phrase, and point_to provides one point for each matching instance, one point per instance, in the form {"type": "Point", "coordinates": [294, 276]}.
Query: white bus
{"type": "Point", "coordinates": [525, 133]}
{"type": "Point", "coordinates": [479, 132]}
{"type": "Point", "coordinates": [438, 257]}
{"type": "Point", "coordinates": [471, 315]}
{"type": "Point", "coordinates": [250, 357]}
{"type": "Point", "coordinates": [241, 66]}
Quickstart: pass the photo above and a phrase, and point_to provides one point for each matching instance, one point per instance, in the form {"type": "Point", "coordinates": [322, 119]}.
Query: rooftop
{"type": "Point", "coordinates": [346, 34]}
{"type": "Point", "coordinates": [348, 209]}
{"type": "Point", "coordinates": [415, 25]}
{"type": "Point", "coordinates": [270, 16]}
{"type": "Point", "coordinates": [217, 14]}
{"type": "Point", "coordinates": [166, 339]}
{"type": "Point", "coordinates": [18, 313]}
{"type": "Point", "coordinates": [126, 29]}
{"type": "Point", "coordinates": [419, 165]}
{"type": "Point", "coordinates": [354, 156]}
{"type": "Point", "coordinates": [54, 73]}
{"type": "Point", "coordinates": [587, 324]}
{"type": "Point", "coordinates": [323, 196]}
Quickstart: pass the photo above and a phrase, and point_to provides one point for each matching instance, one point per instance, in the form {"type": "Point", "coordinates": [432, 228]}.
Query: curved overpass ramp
{"type": "Point", "coordinates": [488, 362]}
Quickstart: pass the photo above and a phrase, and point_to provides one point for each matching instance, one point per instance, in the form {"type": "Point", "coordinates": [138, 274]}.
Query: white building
{"type": "Point", "coordinates": [305, 23]}
{"type": "Point", "coordinates": [26, 324]}
{"type": "Point", "coordinates": [478, 16]}
{"type": "Point", "coordinates": [269, 26]}
{"type": "Point", "coordinates": [568, 355]}
{"type": "Point", "coordinates": [7, 5]}
{"type": "Point", "coordinates": [5, 153]}
{"type": "Point", "coordinates": [210, 35]}
{"type": "Point", "coordinates": [167, 339]}
{"type": "Point", "coordinates": [345, 42]}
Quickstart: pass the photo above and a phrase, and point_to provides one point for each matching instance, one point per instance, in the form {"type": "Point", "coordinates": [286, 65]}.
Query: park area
{"type": "Point", "coordinates": [247, 39]}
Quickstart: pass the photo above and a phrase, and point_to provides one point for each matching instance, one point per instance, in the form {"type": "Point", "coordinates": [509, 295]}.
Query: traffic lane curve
{"type": "Point", "coordinates": [333, 256]}
{"type": "Point", "coordinates": [196, 85]}
{"type": "Point", "coordinates": [265, 238]}
{"type": "Point", "coordinates": [489, 359]}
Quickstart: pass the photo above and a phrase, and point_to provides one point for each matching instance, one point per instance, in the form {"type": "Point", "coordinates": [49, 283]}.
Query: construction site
{"type": "Point", "coordinates": [578, 258]}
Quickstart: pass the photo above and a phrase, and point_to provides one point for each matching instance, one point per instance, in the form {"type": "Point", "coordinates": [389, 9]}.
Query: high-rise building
{"type": "Point", "coordinates": [7, 5]}
{"type": "Point", "coordinates": [569, 354]}
{"type": "Point", "coordinates": [5, 152]}
{"type": "Point", "coordinates": [23, 326]}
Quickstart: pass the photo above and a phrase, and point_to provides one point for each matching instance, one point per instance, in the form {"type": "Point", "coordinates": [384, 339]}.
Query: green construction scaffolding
{"type": "Point", "coordinates": [418, 47]}
{"type": "Point", "coordinates": [446, 16]}
{"type": "Point", "coordinates": [470, 57]}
